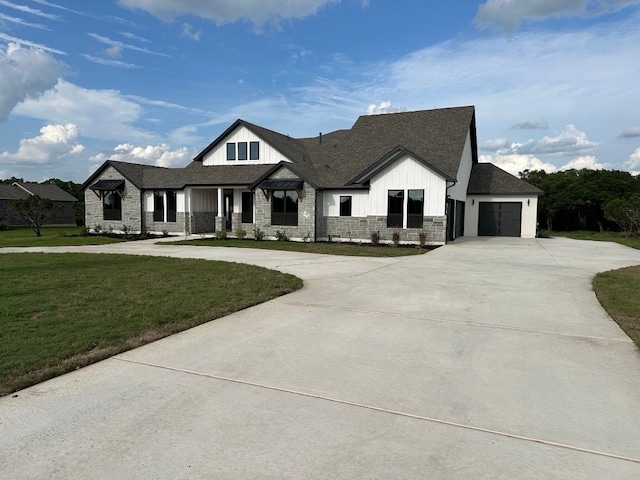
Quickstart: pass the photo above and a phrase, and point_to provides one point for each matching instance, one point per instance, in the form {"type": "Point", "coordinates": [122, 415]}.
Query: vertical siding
{"type": "Point", "coordinates": [459, 190]}
{"type": "Point", "coordinates": [204, 200]}
{"type": "Point", "coordinates": [529, 213]}
{"type": "Point", "coordinates": [218, 156]}
{"type": "Point", "coordinates": [359, 203]}
{"type": "Point", "coordinates": [406, 174]}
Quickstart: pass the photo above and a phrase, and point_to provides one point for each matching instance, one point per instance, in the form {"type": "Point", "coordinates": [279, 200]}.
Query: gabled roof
{"type": "Point", "coordinates": [19, 190]}
{"type": "Point", "coordinates": [487, 179]}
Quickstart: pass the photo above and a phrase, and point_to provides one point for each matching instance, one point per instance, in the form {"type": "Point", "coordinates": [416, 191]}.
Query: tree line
{"type": "Point", "coordinates": [587, 200]}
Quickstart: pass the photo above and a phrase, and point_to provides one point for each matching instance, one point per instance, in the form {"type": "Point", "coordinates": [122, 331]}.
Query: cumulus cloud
{"type": "Point", "coordinates": [384, 107]}
{"type": "Point", "coordinates": [507, 15]}
{"type": "Point", "coordinates": [633, 162]}
{"type": "Point", "coordinates": [514, 164]}
{"type": "Point", "coordinates": [258, 12]}
{"type": "Point", "coordinates": [158, 155]}
{"type": "Point", "coordinates": [589, 162]}
{"type": "Point", "coordinates": [100, 114]}
{"type": "Point", "coordinates": [569, 142]}
{"type": "Point", "coordinates": [630, 133]}
{"type": "Point", "coordinates": [26, 73]}
{"type": "Point", "coordinates": [53, 143]}
{"type": "Point", "coordinates": [531, 125]}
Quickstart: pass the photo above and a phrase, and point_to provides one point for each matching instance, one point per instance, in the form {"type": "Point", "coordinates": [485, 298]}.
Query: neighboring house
{"type": "Point", "coordinates": [411, 173]}
{"type": "Point", "coordinates": [61, 214]}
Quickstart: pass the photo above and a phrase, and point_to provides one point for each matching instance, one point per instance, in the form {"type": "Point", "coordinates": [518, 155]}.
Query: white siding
{"type": "Point", "coordinates": [218, 156]}
{"type": "Point", "coordinates": [459, 190]}
{"type": "Point", "coordinates": [405, 174]}
{"type": "Point", "coordinates": [204, 200]}
{"type": "Point", "coordinates": [359, 203]}
{"type": "Point", "coordinates": [529, 213]}
{"type": "Point", "coordinates": [180, 201]}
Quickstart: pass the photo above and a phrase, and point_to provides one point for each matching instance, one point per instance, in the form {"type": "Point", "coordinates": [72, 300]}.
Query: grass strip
{"type": "Point", "coordinates": [60, 312]}
{"type": "Point", "coordinates": [618, 291]}
{"type": "Point", "coordinates": [617, 237]}
{"type": "Point", "coordinates": [324, 248]}
{"type": "Point", "coordinates": [51, 237]}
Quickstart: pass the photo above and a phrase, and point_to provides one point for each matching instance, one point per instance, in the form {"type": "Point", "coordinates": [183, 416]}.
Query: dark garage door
{"type": "Point", "coordinates": [500, 219]}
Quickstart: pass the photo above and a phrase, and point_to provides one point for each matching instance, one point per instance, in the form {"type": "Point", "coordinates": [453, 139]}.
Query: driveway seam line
{"type": "Point", "coordinates": [455, 322]}
{"type": "Point", "coordinates": [385, 410]}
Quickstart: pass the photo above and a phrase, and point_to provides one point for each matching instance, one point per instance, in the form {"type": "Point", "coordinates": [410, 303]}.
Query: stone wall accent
{"type": "Point", "coordinates": [202, 222]}
{"type": "Point", "coordinates": [131, 205]}
{"type": "Point", "coordinates": [361, 228]}
{"type": "Point", "coordinates": [179, 226]}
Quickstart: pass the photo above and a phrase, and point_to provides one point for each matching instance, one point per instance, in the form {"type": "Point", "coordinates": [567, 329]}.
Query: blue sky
{"type": "Point", "coordinates": [556, 83]}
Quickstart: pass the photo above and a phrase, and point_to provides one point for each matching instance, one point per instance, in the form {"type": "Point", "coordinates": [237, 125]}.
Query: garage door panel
{"type": "Point", "coordinates": [500, 219]}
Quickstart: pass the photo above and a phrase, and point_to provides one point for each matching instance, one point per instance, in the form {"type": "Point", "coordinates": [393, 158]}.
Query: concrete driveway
{"type": "Point", "coordinates": [487, 358]}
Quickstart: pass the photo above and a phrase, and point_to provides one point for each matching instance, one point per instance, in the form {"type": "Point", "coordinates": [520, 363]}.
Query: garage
{"type": "Point", "coordinates": [499, 219]}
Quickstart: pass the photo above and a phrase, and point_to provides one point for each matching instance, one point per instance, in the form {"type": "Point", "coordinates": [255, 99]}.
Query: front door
{"type": "Point", "coordinates": [228, 209]}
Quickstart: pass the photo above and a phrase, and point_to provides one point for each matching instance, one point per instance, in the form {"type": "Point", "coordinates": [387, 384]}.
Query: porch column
{"type": "Point", "coordinates": [220, 220]}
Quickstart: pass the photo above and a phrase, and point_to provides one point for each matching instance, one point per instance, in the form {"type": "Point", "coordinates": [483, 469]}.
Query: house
{"type": "Point", "coordinates": [61, 214]}
{"type": "Point", "coordinates": [413, 173]}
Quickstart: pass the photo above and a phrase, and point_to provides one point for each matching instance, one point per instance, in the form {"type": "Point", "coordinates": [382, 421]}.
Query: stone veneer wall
{"type": "Point", "coordinates": [179, 226]}
{"type": "Point", "coordinates": [361, 228]}
{"type": "Point", "coordinates": [306, 211]}
{"type": "Point", "coordinates": [202, 222]}
{"type": "Point", "coordinates": [131, 206]}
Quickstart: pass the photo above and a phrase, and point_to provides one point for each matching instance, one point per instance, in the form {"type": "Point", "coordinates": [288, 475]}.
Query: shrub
{"type": "Point", "coordinates": [97, 229]}
{"type": "Point", "coordinates": [241, 233]}
{"type": "Point", "coordinates": [375, 238]}
{"type": "Point", "coordinates": [258, 234]}
{"type": "Point", "coordinates": [84, 231]}
{"type": "Point", "coordinates": [165, 232]}
{"type": "Point", "coordinates": [423, 238]}
{"type": "Point", "coordinates": [395, 236]}
{"type": "Point", "coordinates": [307, 237]}
{"type": "Point", "coordinates": [4, 225]}
{"type": "Point", "coordinates": [126, 229]}
{"type": "Point", "coordinates": [221, 235]}
{"type": "Point", "coordinates": [281, 236]}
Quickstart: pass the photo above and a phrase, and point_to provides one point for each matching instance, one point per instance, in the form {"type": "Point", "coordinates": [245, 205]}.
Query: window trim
{"type": "Point", "coordinates": [117, 212]}
{"type": "Point", "coordinates": [395, 220]}
{"type": "Point", "coordinates": [254, 155]}
{"type": "Point", "coordinates": [346, 205]}
{"type": "Point", "coordinates": [415, 220]}
{"type": "Point", "coordinates": [172, 213]}
{"type": "Point", "coordinates": [242, 151]}
{"type": "Point", "coordinates": [285, 218]}
{"type": "Point", "coordinates": [231, 151]}
{"type": "Point", "coordinates": [247, 207]}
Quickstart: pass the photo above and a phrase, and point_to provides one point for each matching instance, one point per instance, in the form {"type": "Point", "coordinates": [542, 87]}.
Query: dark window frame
{"type": "Point", "coordinates": [284, 210]}
{"type": "Point", "coordinates": [395, 208]}
{"type": "Point", "coordinates": [113, 210]}
{"type": "Point", "coordinates": [346, 205]}
{"type": "Point", "coordinates": [415, 209]}
{"type": "Point", "coordinates": [242, 150]}
{"type": "Point", "coordinates": [158, 206]}
{"type": "Point", "coordinates": [172, 205]}
{"type": "Point", "coordinates": [231, 151]}
{"type": "Point", "coordinates": [247, 207]}
{"type": "Point", "coordinates": [254, 150]}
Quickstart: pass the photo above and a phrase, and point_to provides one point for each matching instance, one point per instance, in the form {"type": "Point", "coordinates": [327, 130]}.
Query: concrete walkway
{"type": "Point", "coordinates": [487, 358]}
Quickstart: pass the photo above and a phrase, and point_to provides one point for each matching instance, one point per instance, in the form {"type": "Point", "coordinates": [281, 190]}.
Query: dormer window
{"type": "Point", "coordinates": [242, 150]}
{"type": "Point", "coordinates": [231, 151]}
{"type": "Point", "coordinates": [255, 151]}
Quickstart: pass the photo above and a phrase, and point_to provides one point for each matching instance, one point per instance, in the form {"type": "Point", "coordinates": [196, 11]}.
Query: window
{"type": "Point", "coordinates": [284, 207]}
{"type": "Point", "coordinates": [254, 153]}
{"type": "Point", "coordinates": [395, 208]}
{"type": "Point", "coordinates": [345, 205]}
{"type": "Point", "coordinates": [172, 206]}
{"type": "Point", "coordinates": [111, 206]}
{"type": "Point", "coordinates": [242, 150]}
{"type": "Point", "coordinates": [415, 209]}
{"type": "Point", "coordinates": [247, 207]}
{"type": "Point", "coordinates": [231, 151]}
{"type": "Point", "coordinates": [158, 206]}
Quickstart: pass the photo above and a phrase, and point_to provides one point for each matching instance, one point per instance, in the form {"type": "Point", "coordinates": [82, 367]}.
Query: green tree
{"type": "Point", "coordinates": [33, 210]}
{"type": "Point", "coordinates": [625, 213]}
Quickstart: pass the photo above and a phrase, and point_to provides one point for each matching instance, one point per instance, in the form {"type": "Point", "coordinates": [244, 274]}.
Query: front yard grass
{"type": "Point", "coordinates": [60, 312]}
{"type": "Point", "coordinates": [325, 248]}
{"type": "Point", "coordinates": [619, 293]}
{"type": "Point", "coordinates": [51, 237]}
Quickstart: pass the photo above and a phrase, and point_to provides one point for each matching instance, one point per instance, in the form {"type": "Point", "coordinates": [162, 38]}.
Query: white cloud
{"type": "Point", "coordinates": [589, 162]}
{"type": "Point", "coordinates": [21, 21]}
{"type": "Point", "coordinates": [108, 62]}
{"type": "Point", "coordinates": [495, 144]}
{"type": "Point", "coordinates": [158, 155]}
{"type": "Point", "coordinates": [507, 15]}
{"type": "Point", "coordinates": [258, 12]}
{"type": "Point", "coordinates": [514, 164]}
{"type": "Point", "coordinates": [28, 43]}
{"type": "Point", "coordinates": [100, 114]}
{"type": "Point", "coordinates": [189, 32]}
{"type": "Point", "coordinates": [633, 162]}
{"type": "Point", "coordinates": [53, 143]}
{"type": "Point", "coordinates": [384, 107]}
{"type": "Point", "coordinates": [570, 141]}
{"type": "Point", "coordinates": [29, 10]}
{"type": "Point", "coordinates": [116, 46]}
{"type": "Point", "coordinates": [26, 73]}
{"type": "Point", "coordinates": [531, 125]}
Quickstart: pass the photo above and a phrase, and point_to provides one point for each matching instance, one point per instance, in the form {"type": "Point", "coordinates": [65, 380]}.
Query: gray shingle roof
{"type": "Point", "coordinates": [11, 192]}
{"type": "Point", "coordinates": [487, 179]}
{"type": "Point", "coordinates": [44, 190]}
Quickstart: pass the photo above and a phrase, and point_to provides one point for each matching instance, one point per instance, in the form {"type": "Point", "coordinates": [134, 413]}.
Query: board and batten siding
{"type": "Point", "coordinates": [218, 156]}
{"type": "Point", "coordinates": [359, 203]}
{"type": "Point", "coordinates": [408, 174]}
{"type": "Point", "coordinates": [203, 200]}
{"type": "Point", "coordinates": [459, 190]}
{"type": "Point", "coordinates": [529, 213]}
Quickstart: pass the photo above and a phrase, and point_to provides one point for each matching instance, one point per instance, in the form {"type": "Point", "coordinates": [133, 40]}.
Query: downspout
{"type": "Point", "coordinates": [453, 226]}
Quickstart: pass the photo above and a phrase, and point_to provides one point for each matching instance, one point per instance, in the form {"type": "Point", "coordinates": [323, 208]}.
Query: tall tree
{"type": "Point", "coordinates": [33, 210]}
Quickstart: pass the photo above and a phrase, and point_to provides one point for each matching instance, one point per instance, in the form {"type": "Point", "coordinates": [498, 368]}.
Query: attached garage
{"type": "Point", "coordinates": [499, 219]}
{"type": "Point", "coordinates": [499, 204]}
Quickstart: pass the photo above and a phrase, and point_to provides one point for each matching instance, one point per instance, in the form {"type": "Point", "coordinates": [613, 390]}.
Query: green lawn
{"type": "Point", "coordinates": [619, 293]}
{"type": "Point", "coordinates": [51, 237]}
{"type": "Point", "coordinates": [60, 312]}
{"type": "Point", "coordinates": [334, 248]}
{"type": "Point", "coordinates": [633, 242]}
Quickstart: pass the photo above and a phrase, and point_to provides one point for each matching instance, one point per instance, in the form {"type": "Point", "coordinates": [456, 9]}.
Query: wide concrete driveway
{"type": "Point", "coordinates": [482, 359]}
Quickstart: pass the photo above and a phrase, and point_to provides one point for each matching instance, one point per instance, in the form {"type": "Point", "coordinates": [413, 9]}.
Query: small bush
{"type": "Point", "coordinates": [241, 233]}
{"type": "Point", "coordinates": [84, 231]}
{"type": "Point", "coordinates": [281, 236]}
{"type": "Point", "coordinates": [221, 235]}
{"type": "Point", "coordinates": [375, 238]}
{"type": "Point", "coordinates": [126, 229]}
{"type": "Point", "coordinates": [423, 238]}
{"type": "Point", "coordinates": [395, 237]}
{"type": "Point", "coordinates": [97, 229]}
{"type": "Point", "coordinates": [4, 225]}
{"type": "Point", "coordinates": [307, 237]}
{"type": "Point", "coordinates": [258, 234]}
{"type": "Point", "coordinates": [165, 232]}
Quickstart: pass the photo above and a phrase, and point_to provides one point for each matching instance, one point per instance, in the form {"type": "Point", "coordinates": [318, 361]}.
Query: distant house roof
{"type": "Point", "coordinates": [20, 190]}
{"type": "Point", "coordinates": [487, 179]}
